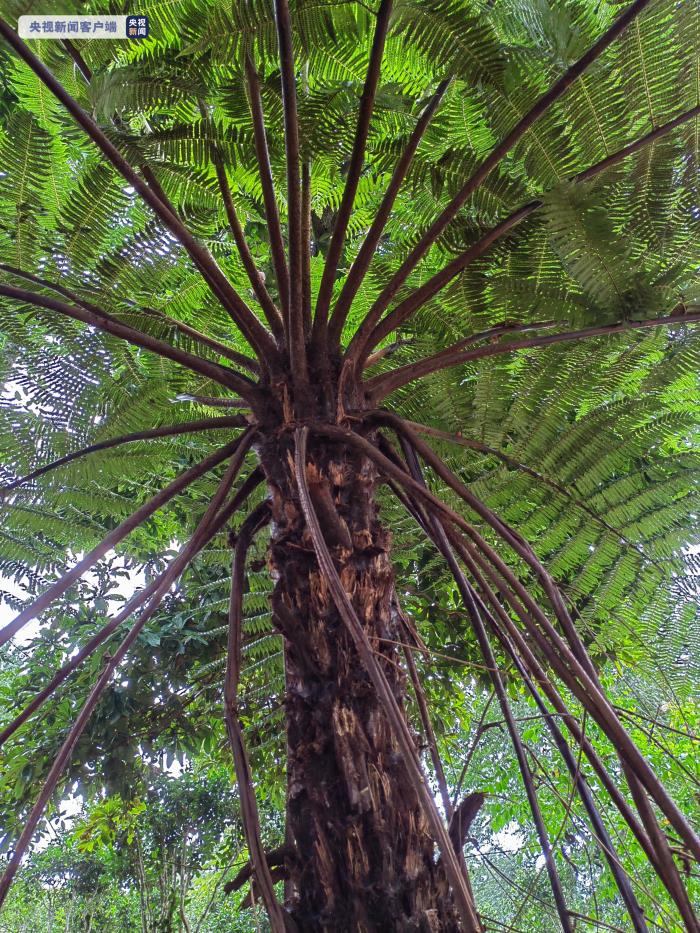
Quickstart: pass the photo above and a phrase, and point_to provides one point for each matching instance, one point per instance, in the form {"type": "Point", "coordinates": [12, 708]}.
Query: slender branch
{"type": "Point", "coordinates": [468, 598]}
{"type": "Point", "coordinates": [525, 772]}
{"type": "Point", "coordinates": [78, 726]}
{"type": "Point", "coordinates": [429, 289]}
{"type": "Point", "coordinates": [359, 268]}
{"type": "Point", "coordinates": [471, 560]}
{"type": "Point", "coordinates": [271, 313]}
{"type": "Point", "coordinates": [212, 897]}
{"type": "Point", "coordinates": [552, 694]}
{"type": "Point", "coordinates": [486, 167]}
{"type": "Point", "coordinates": [186, 427]}
{"type": "Point", "coordinates": [250, 484]}
{"type": "Point", "coordinates": [428, 727]}
{"type": "Point", "coordinates": [519, 545]}
{"type": "Point", "coordinates": [497, 873]}
{"type": "Point", "coordinates": [567, 803]}
{"type": "Point", "coordinates": [243, 317]}
{"type": "Point", "coordinates": [253, 523]}
{"type": "Point", "coordinates": [489, 451]}
{"type": "Point", "coordinates": [500, 924]}
{"type": "Point", "coordinates": [275, 858]}
{"type": "Point", "coordinates": [481, 728]}
{"type": "Point", "coordinates": [153, 183]}
{"type": "Point", "coordinates": [498, 330]}
{"type": "Point", "coordinates": [638, 144]}
{"type": "Point", "coordinates": [220, 348]}
{"type": "Point", "coordinates": [644, 808]}
{"type": "Point", "coordinates": [463, 900]}
{"type": "Point", "coordinates": [381, 386]}
{"type": "Point", "coordinates": [296, 342]}
{"type": "Point", "coordinates": [386, 352]}
{"type": "Point", "coordinates": [662, 747]}
{"type": "Point", "coordinates": [306, 233]}
{"type": "Point", "coordinates": [110, 325]}
{"type": "Point", "coordinates": [53, 286]}
{"type": "Point", "coordinates": [433, 656]}
{"type": "Point", "coordinates": [597, 923]}
{"type": "Point", "coordinates": [352, 180]}
{"type": "Point", "coordinates": [639, 793]}
{"type": "Point", "coordinates": [524, 550]}
{"type": "Point", "coordinates": [559, 653]}
{"type": "Point", "coordinates": [214, 401]}
{"type": "Point", "coordinates": [249, 807]}
{"type": "Point", "coordinates": [78, 60]}
{"type": "Point", "coordinates": [599, 831]}
{"type": "Point", "coordinates": [274, 227]}
{"type": "Point", "coordinates": [403, 311]}
{"type": "Point", "coordinates": [118, 534]}
{"type": "Point", "coordinates": [633, 714]}
{"type": "Point", "coordinates": [146, 171]}
{"type": "Point", "coordinates": [661, 846]}
{"type": "Point", "coordinates": [306, 224]}
{"type": "Point", "coordinates": [664, 868]}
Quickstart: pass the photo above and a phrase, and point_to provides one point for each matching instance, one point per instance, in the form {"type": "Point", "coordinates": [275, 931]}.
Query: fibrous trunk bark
{"type": "Point", "coordinates": [364, 859]}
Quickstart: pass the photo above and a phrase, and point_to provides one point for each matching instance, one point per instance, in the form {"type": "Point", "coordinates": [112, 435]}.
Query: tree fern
{"type": "Point", "coordinates": [493, 468]}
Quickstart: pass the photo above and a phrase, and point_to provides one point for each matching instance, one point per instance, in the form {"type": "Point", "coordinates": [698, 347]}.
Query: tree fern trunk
{"type": "Point", "coordinates": [364, 858]}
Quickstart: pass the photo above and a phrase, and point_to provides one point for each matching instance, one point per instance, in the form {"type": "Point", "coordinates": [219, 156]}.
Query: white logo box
{"type": "Point", "coordinates": [70, 26]}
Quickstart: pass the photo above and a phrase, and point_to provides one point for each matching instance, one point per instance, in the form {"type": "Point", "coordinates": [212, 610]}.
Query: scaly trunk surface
{"type": "Point", "coordinates": [364, 858]}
